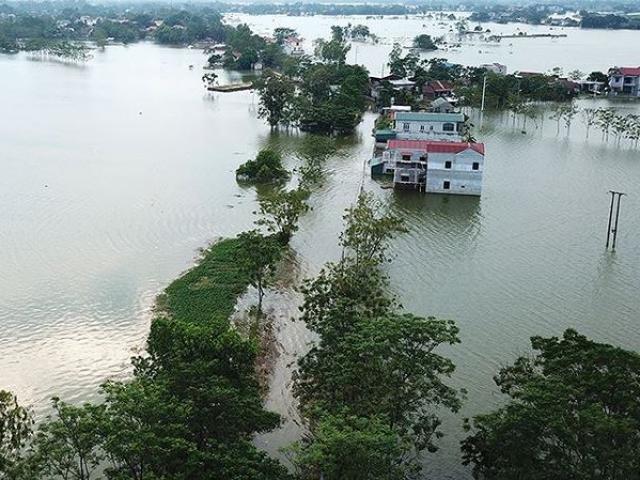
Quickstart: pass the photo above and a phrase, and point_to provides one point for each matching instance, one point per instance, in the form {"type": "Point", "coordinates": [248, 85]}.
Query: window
{"type": "Point", "coordinates": [447, 164]}
{"type": "Point", "coordinates": [475, 166]}
{"type": "Point", "coordinates": [422, 128]}
{"type": "Point", "coordinates": [431, 128]}
{"type": "Point", "coordinates": [404, 177]}
{"type": "Point", "coordinates": [423, 158]}
{"type": "Point", "coordinates": [406, 156]}
{"type": "Point", "coordinates": [446, 185]}
{"type": "Point", "coordinates": [405, 127]}
{"type": "Point", "coordinates": [448, 127]}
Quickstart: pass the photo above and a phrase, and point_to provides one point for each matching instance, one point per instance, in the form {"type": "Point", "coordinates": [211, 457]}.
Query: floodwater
{"type": "Point", "coordinates": [586, 50]}
{"type": "Point", "coordinates": [116, 172]}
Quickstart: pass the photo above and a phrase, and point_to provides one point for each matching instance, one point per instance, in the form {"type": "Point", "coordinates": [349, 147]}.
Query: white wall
{"type": "Point", "coordinates": [430, 130]}
{"type": "Point", "coordinates": [461, 176]}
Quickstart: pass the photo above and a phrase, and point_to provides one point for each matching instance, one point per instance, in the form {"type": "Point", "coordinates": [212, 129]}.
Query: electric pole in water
{"type": "Point", "coordinates": [484, 91]}
{"type": "Point", "coordinates": [612, 233]}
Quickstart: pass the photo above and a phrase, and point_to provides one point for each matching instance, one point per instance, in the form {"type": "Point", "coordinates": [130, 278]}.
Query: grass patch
{"type": "Point", "coordinates": [208, 292]}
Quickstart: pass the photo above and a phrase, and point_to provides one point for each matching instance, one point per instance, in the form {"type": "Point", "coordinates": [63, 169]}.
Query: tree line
{"type": "Point", "coordinates": [610, 123]}
{"type": "Point", "coordinates": [326, 95]}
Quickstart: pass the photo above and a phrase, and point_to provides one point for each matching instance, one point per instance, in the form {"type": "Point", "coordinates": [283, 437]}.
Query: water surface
{"type": "Point", "coordinates": [116, 172]}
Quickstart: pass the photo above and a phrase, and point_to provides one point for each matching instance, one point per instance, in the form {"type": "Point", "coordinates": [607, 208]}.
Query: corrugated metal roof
{"type": "Point", "coordinates": [429, 117]}
{"type": "Point", "coordinates": [431, 146]}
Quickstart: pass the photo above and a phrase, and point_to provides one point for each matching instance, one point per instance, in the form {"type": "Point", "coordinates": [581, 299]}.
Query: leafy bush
{"type": "Point", "coordinates": [266, 167]}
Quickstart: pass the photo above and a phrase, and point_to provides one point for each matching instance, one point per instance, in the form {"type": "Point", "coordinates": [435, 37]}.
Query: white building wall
{"type": "Point", "coordinates": [426, 131]}
{"type": "Point", "coordinates": [463, 180]}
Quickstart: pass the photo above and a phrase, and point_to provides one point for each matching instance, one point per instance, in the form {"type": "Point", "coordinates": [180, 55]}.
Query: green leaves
{"type": "Point", "coordinates": [258, 259]}
{"type": "Point", "coordinates": [267, 167]}
{"type": "Point", "coordinates": [574, 413]}
{"type": "Point", "coordinates": [277, 99]}
{"type": "Point", "coordinates": [281, 210]}
{"type": "Point", "coordinates": [350, 447]}
{"type": "Point", "coordinates": [16, 429]}
{"type": "Point", "coordinates": [371, 363]}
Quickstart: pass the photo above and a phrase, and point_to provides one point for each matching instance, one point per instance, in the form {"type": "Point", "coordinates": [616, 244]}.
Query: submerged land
{"type": "Point", "coordinates": [380, 364]}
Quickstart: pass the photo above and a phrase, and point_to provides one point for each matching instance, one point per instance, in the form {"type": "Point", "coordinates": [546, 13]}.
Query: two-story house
{"type": "Point", "coordinates": [433, 166]}
{"type": "Point", "coordinates": [625, 80]}
{"type": "Point", "coordinates": [429, 126]}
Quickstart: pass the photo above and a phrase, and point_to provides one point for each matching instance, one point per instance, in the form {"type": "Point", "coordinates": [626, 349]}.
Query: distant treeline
{"type": "Point", "coordinates": [612, 21]}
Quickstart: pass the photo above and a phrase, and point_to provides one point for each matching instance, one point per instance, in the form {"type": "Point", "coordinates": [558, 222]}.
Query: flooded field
{"type": "Point", "coordinates": [117, 171]}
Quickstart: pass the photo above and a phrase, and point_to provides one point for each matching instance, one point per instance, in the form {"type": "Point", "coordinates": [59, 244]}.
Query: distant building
{"type": "Point", "coordinates": [497, 68]}
{"type": "Point", "coordinates": [523, 74]}
{"type": "Point", "coordinates": [432, 166]}
{"type": "Point", "coordinates": [395, 82]}
{"type": "Point", "coordinates": [442, 105]}
{"type": "Point", "coordinates": [625, 80]}
{"type": "Point", "coordinates": [293, 46]}
{"type": "Point", "coordinates": [438, 88]}
{"type": "Point", "coordinates": [428, 126]}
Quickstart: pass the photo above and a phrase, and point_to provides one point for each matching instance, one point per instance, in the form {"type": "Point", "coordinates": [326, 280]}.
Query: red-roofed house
{"type": "Point", "coordinates": [625, 80]}
{"type": "Point", "coordinates": [437, 88]}
{"type": "Point", "coordinates": [433, 166]}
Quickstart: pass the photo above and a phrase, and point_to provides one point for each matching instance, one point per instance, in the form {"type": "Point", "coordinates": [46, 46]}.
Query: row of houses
{"type": "Point", "coordinates": [424, 151]}
{"type": "Point", "coordinates": [430, 90]}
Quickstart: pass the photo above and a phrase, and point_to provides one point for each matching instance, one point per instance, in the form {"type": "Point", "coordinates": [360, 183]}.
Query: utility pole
{"type": "Point", "coordinates": [612, 233]}
{"type": "Point", "coordinates": [484, 90]}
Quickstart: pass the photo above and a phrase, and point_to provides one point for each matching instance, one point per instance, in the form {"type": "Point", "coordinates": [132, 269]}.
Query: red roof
{"type": "Point", "coordinates": [630, 71]}
{"type": "Point", "coordinates": [438, 86]}
{"type": "Point", "coordinates": [431, 146]}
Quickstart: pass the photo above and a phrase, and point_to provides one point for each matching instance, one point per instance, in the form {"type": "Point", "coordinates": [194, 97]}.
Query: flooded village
{"type": "Point", "coordinates": [314, 241]}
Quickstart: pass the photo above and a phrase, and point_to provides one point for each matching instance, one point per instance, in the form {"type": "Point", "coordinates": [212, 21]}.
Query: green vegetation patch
{"type": "Point", "coordinates": [208, 291]}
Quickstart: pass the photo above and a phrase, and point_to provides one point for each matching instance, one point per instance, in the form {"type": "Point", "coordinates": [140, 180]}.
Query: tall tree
{"type": "Point", "coordinates": [16, 429]}
{"type": "Point", "coordinates": [281, 210]}
{"type": "Point", "coordinates": [277, 98]}
{"type": "Point", "coordinates": [572, 413]}
{"type": "Point", "coordinates": [371, 361]}
{"type": "Point", "coordinates": [258, 258]}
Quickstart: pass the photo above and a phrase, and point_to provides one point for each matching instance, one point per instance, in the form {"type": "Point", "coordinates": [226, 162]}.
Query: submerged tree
{"type": "Point", "coordinates": [281, 210]}
{"type": "Point", "coordinates": [573, 413]}
{"type": "Point", "coordinates": [277, 99]}
{"type": "Point", "coordinates": [606, 117]}
{"type": "Point", "coordinates": [266, 167]}
{"type": "Point", "coordinates": [589, 117]}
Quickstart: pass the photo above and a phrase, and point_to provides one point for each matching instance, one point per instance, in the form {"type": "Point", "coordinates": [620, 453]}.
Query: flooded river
{"type": "Point", "coordinates": [117, 171]}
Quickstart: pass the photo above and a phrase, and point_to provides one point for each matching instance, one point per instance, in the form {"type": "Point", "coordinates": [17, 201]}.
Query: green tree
{"type": "Point", "coordinates": [258, 258]}
{"type": "Point", "coordinates": [282, 33]}
{"type": "Point", "coordinates": [144, 433]}
{"type": "Point", "coordinates": [572, 413]}
{"type": "Point", "coordinates": [67, 444]}
{"type": "Point", "coordinates": [266, 167]}
{"type": "Point", "coordinates": [16, 429]}
{"type": "Point", "coordinates": [350, 447]}
{"type": "Point", "coordinates": [281, 210]}
{"type": "Point", "coordinates": [424, 42]}
{"type": "Point", "coordinates": [277, 98]}
{"type": "Point", "coordinates": [334, 51]}
{"type": "Point", "coordinates": [371, 360]}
